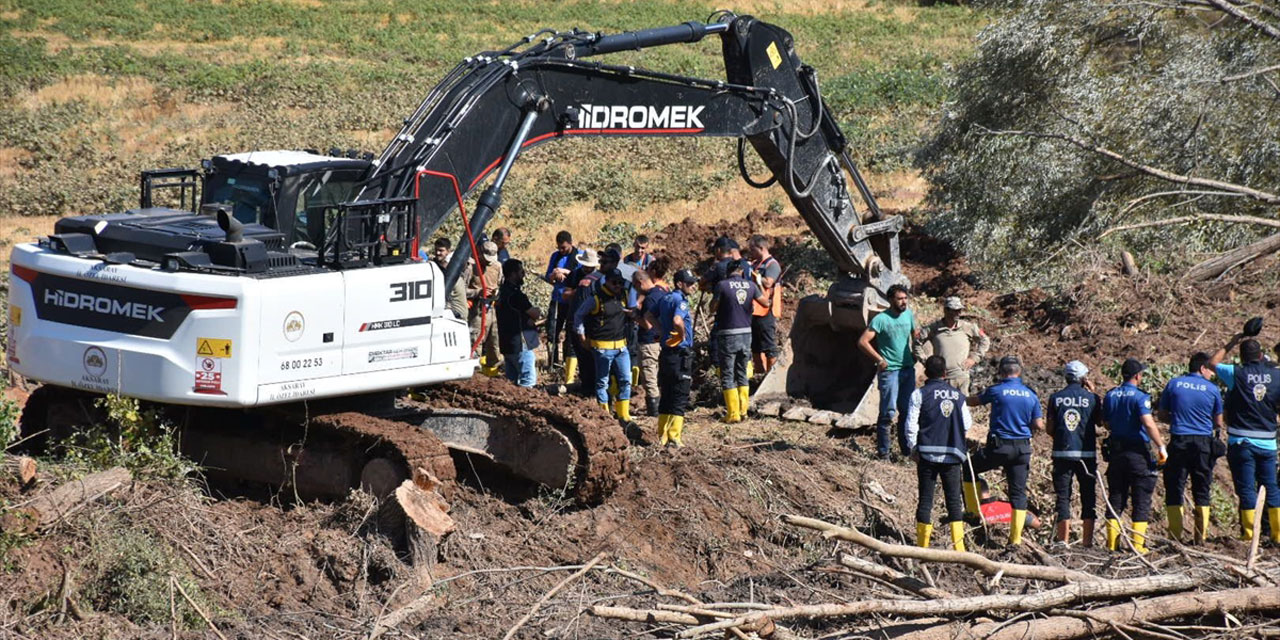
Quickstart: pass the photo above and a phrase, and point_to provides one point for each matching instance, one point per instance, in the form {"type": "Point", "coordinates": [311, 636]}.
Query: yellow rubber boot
{"type": "Point", "coordinates": [663, 421]}
{"type": "Point", "coordinates": [1174, 513]}
{"type": "Point", "coordinates": [923, 533]}
{"type": "Point", "coordinates": [1246, 524]}
{"type": "Point", "coordinates": [675, 427]}
{"type": "Point", "coordinates": [570, 370]}
{"type": "Point", "coordinates": [1140, 537]}
{"type": "Point", "coordinates": [957, 535]}
{"type": "Point", "coordinates": [971, 505]}
{"type": "Point", "coordinates": [623, 409]}
{"type": "Point", "coordinates": [731, 415]}
{"type": "Point", "coordinates": [1273, 516]}
{"type": "Point", "coordinates": [1113, 534]}
{"type": "Point", "coordinates": [751, 369]}
{"type": "Point", "coordinates": [613, 387]}
{"type": "Point", "coordinates": [744, 401]}
{"type": "Point", "coordinates": [1202, 524]}
{"type": "Point", "coordinates": [605, 406]}
{"type": "Point", "coordinates": [1015, 527]}
{"type": "Point", "coordinates": [635, 376]}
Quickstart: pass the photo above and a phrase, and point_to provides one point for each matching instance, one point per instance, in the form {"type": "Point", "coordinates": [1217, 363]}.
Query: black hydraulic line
{"type": "Point", "coordinates": [488, 203]}
{"type": "Point", "coordinates": [691, 31]}
{"type": "Point", "coordinates": [742, 168]}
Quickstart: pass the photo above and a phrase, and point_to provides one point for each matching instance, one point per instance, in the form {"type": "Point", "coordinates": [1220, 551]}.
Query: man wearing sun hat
{"type": "Point", "coordinates": [961, 343]}
{"type": "Point", "coordinates": [480, 297]}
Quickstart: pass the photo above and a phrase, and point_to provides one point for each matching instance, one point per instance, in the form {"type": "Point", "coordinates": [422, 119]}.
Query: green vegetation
{"type": "Point", "coordinates": [131, 437]}
{"type": "Point", "coordinates": [95, 92]}
{"type": "Point", "coordinates": [137, 575]}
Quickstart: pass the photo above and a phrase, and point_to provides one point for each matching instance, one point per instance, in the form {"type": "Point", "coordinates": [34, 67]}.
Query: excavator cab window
{"type": "Point", "coordinates": [251, 197]}
{"type": "Point", "coordinates": [320, 193]}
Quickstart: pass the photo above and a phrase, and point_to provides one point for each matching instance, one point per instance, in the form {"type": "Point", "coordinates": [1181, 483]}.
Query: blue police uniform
{"type": "Point", "coordinates": [1014, 406]}
{"type": "Point", "coordinates": [1131, 469]}
{"type": "Point", "coordinates": [1075, 412]}
{"type": "Point", "coordinates": [1193, 403]}
{"type": "Point", "coordinates": [1253, 399]}
{"type": "Point", "coordinates": [675, 365]}
{"type": "Point", "coordinates": [559, 312]}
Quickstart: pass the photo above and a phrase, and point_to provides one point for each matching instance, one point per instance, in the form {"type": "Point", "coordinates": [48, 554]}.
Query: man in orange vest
{"type": "Point", "coordinates": [766, 271]}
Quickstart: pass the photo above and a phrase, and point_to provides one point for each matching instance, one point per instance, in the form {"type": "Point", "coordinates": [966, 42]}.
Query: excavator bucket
{"type": "Point", "coordinates": [821, 361]}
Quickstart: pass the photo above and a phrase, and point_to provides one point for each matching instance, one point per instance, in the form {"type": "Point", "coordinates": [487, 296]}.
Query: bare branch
{"type": "Point", "coordinates": [1239, 14]}
{"type": "Point", "coordinates": [1249, 74]}
{"type": "Point", "coordinates": [1202, 217]}
{"type": "Point", "coordinates": [1261, 196]}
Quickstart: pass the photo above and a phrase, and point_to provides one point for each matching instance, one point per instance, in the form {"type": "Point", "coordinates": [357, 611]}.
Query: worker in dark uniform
{"type": "Point", "coordinates": [601, 323]}
{"type": "Point", "coordinates": [1131, 473]}
{"type": "Point", "coordinates": [1072, 417]}
{"type": "Point", "coordinates": [1015, 413]}
{"type": "Point", "coordinates": [1253, 399]}
{"type": "Point", "coordinates": [1192, 405]}
{"type": "Point", "coordinates": [731, 305]}
{"type": "Point", "coordinates": [937, 419]}
{"type": "Point", "coordinates": [675, 365]}
{"type": "Point", "coordinates": [561, 265]}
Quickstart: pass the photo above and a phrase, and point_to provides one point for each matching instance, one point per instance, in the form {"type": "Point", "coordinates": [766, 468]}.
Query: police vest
{"type": "Point", "coordinates": [941, 436]}
{"type": "Point", "coordinates": [1074, 412]}
{"type": "Point", "coordinates": [607, 319]}
{"type": "Point", "coordinates": [733, 315]}
{"type": "Point", "coordinates": [1252, 402]}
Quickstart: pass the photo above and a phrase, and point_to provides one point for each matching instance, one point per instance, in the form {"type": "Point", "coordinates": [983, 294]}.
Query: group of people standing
{"type": "Point", "coordinates": [934, 419]}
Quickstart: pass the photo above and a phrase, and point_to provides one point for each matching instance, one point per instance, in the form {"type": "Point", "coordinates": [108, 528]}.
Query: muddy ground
{"type": "Point", "coordinates": [704, 519]}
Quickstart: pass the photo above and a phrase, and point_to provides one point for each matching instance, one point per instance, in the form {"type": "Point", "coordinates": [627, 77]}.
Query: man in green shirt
{"type": "Point", "coordinates": [888, 342]}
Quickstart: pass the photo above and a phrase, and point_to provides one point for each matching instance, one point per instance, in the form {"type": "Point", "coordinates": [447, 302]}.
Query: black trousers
{"type": "Point", "coordinates": [1130, 475]}
{"type": "Point", "coordinates": [1085, 472]}
{"type": "Point", "coordinates": [927, 474]}
{"type": "Point", "coordinates": [1188, 456]}
{"type": "Point", "coordinates": [675, 379]}
{"type": "Point", "coordinates": [586, 365]}
{"type": "Point", "coordinates": [1014, 457]}
{"type": "Point", "coordinates": [559, 315]}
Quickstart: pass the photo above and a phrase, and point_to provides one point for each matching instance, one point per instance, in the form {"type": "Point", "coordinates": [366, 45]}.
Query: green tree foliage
{"type": "Point", "coordinates": [1185, 86]}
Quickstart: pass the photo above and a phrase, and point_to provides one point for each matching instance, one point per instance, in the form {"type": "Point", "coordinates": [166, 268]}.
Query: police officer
{"type": "Point", "coordinates": [601, 324]}
{"type": "Point", "coordinates": [1192, 405]}
{"type": "Point", "coordinates": [675, 365]}
{"type": "Point", "coordinates": [1126, 410]}
{"type": "Point", "coordinates": [937, 419]}
{"type": "Point", "coordinates": [1015, 413]}
{"type": "Point", "coordinates": [731, 305]}
{"type": "Point", "coordinates": [1253, 399]}
{"type": "Point", "coordinates": [1073, 418]}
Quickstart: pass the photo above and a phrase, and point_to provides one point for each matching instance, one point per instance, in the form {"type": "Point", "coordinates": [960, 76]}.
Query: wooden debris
{"type": "Point", "coordinates": [50, 508]}
{"type": "Point", "coordinates": [22, 468]}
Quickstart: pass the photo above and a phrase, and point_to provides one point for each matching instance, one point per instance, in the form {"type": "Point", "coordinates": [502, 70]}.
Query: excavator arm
{"type": "Point", "coordinates": [549, 86]}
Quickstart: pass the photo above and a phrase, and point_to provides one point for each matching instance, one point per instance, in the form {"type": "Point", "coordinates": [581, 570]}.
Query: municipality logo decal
{"type": "Point", "coordinates": [1072, 418]}
{"type": "Point", "coordinates": [95, 361]}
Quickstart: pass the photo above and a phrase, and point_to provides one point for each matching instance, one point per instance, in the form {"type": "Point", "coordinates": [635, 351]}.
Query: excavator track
{"type": "Point", "coordinates": [323, 451]}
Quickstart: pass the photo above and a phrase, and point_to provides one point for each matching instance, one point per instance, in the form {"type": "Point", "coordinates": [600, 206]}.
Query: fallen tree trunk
{"type": "Point", "coordinates": [1040, 601]}
{"type": "Point", "coordinates": [976, 561]}
{"type": "Point", "coordinates": [1098, 621]}
{"type": "Point", "coordinates": [48, 509]}
{"type": "Point", "coordinates": [1216, 266]}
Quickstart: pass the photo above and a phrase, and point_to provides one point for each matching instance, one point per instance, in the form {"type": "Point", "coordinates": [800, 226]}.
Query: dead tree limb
{"type": "Point", "coordinates": [1218, 265]}
{"type": "Point", "coordinates": [976, 561]}
{"type": "Point", "coordinates": [48, 509]}
{"type": "Point", "coordinates": [1200, 217]}
{"type": "Point", "coordinates": [1239, 14]}
{"type": "Point", "coordinates": [1248, 600]}
{"type": "Point", "coordinates": [1038, 601]}
{"type": "Point", "coordinates": [894, 577]}
{"type": "Point", "coordinates": [552, 593]}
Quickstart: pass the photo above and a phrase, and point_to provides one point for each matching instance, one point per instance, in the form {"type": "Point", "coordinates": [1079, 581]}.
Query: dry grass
{"type": "Point", "coordinates": [93, 89]}
{"type": "Point", "coordinates": [14, 230]}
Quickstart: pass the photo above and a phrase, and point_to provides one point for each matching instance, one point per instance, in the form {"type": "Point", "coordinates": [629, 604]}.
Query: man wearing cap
{"type": "Point", "coordinates": [888, 343]}
{"type": "Point", "coordinates": [1192, 405]}
{"type": "Point", "coordinates": [1253, 399]}
{"type": "Point", "coordinates": [937, 419]}
{"type": "Point", "coordinates": [482, 287]}
{"type": "Point", "coordinates": [675, 365]}
{"type": "Point", "coordinates": [766, 270]}
{"type": "Point", "coordinates": [577, 290]}
{"type": "Point", "coordinates": [651, 283]}
{"type": "Point", "coordinates": [1015, 413]}
{"type": "Point", "coordinates": [563, 262]}
{"type": "Point", "coordinates": [731, 304]}
{"type": "Point", "coordinates": [1126, 411]}
{"type": "Point", "coordinates": [600, 322]}
{"type": "Point", "coordinates": [1072, 418]}
{"type": "Point", "coordinates": [961, 343]}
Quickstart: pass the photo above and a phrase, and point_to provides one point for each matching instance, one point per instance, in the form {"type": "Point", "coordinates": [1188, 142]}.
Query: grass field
{"type": "Point", "coordinates": [93, 92]}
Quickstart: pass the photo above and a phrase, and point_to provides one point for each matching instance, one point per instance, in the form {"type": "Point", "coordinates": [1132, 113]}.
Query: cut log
{"type": "Point", "coordinates": [1128, 265]}
{"type": "Point", "coordinates": [981, 563]}
{"type": "Point", "coordinates": [22, 468]}
{"type": "Point", "coordinates": [1097, 623]}
{"type": "Point", "coordinates": [48, 509]}
{"type": "Point", "coordinates": [426, 522]}
{"type": "Point", "coordinates": [1216, 266]}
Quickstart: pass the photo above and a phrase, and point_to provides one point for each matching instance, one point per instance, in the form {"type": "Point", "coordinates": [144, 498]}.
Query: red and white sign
{"type": "Point", "coordinates": [208, 375]}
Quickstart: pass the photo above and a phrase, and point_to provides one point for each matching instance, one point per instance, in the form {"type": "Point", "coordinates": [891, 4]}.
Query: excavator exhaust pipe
{"type": "Point", "coordinates": [821, 362]}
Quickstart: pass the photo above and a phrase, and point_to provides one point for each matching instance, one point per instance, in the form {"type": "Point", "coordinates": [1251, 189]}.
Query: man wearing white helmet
{"type": "Point", "coordinates": [1073, 418]}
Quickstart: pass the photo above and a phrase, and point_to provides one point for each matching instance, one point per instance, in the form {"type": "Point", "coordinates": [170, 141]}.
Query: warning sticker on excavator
{"type": "Point", "coordinates": [213, 347]}
{"type": "Point", "coordinates": [208, 375]}
{"type": "Point", "coordinates": [774, 56]}
{"type": "Point", "coordinates": [15, 315]}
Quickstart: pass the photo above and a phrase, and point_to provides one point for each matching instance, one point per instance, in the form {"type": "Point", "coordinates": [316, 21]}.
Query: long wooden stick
{"type": "Point", "coordinates": [552, 593]}
{"type": "Point", "coordinates": [1038, 601]}
{"type": "Point", "coordinates": [1257, 529]}
{"type": "Point", "coordinates": [894, 577]}
{"type": "Point", "coordinates": [204, 616]}
{"type": "Point", "coordinates": [974, 560]}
